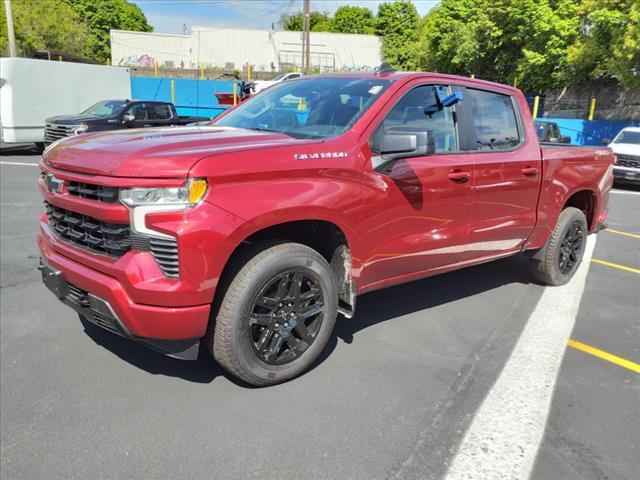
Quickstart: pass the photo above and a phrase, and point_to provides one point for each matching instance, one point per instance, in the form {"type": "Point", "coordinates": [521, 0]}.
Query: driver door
{"type": "Point", "coordinates": [418, 211]}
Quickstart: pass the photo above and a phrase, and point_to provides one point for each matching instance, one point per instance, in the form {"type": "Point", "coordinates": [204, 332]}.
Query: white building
{"type": "Point", "coordinates": [265, 50]}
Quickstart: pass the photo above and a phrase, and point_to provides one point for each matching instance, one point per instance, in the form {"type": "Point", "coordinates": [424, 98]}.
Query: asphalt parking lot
{"type": "Point", "coordinates": [394, 395]}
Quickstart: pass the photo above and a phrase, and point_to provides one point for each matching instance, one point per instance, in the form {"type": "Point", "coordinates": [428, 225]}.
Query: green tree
{"type": "Point", "coordinates": [521, 42]}
{"type": "Point", "coordinates": [101, 16]}
{"type": "Point", "coordinates": [397, 23]}
{"type": "Point", "coordinates": [609, 41]}
{"type": "Point", "coordinates": [295, 22]}
{"type": "Point", "coordinates": [349, 19]}
{"type": "Point", "coordinates": [45, 25]}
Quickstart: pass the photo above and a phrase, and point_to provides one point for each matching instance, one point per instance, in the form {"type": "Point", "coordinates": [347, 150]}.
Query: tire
{"type": "Point", "coordinates": [40, 146]}
{"type": "Point", "coordinates": [244, 347]}
{"type": "Point", "coordinates": [549, 268]}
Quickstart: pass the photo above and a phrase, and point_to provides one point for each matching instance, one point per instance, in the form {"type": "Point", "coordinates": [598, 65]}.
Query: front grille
{"type": "Point", "coordinates": [629, 161]}
{"type": "Point", "coordinates": [53, 131]}
{"type": "Point", "coordinates": [94, 192]}
{"type": "Point", "coordinates": [108, 238]}
{"type": "Point", "coordinates": [164, 250]}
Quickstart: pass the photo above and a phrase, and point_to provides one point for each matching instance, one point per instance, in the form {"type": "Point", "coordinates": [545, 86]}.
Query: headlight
{"type": "Point", "coordinates": [81, 129]}
{"type": "Point", "coordinates": [186, 196]}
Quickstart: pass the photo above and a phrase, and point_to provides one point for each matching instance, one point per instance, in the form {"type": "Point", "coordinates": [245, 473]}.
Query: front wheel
{"type": "Point", "coordinates": [276, 315]}
{"type": "Point", "coordinates": [564, 250]}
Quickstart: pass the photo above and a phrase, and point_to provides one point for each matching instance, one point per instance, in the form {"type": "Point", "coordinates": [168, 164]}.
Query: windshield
{"type": "Point", "coordinates": [105, 108]}
{"type": "Point", "coordinates": [628, 136]}
{"type": "Point", "coordinates": [281, 76]}
{"type": "Point", "coordinates": [309, 108]}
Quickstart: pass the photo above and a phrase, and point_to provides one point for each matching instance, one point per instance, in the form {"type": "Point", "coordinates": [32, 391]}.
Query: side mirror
{"type": "Point", "coordinates": [606, 141]}
{"type": "Point", "coordinates": [128, 118]}
{"type": "Point", "coordinates": [394, 144]}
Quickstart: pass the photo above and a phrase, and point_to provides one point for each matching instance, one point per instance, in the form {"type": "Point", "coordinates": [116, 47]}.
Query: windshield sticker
{"type": "Point", "coordinates": [314, 156]}
{"type": "Point", "coordinates": [375, 89]}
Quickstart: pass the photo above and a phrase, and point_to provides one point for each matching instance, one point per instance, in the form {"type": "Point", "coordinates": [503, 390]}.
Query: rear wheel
{"type": "Point", "coordinates": [564, 250]}
{"type": "Point", "coordinates": [276, 315]}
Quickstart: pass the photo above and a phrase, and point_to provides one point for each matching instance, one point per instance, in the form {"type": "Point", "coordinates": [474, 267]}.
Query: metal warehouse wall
{"type": "Point", "coordinates": [266, 50]}
{"type": "Point", "coordinates": [141, 49]}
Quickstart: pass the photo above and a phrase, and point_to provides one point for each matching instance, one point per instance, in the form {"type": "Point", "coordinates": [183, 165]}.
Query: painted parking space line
{"type": "Point", "coordinates": [507, 429]}
{"type": "Point", "coordinates": [618, 232]}
{"type": "Point", "coordinates": [609, 357]}
{"type": "Point", "coordinates": [615, 265]}
{"type": "Point", "coordinates": [18, 163]}
{"type": "Point", "coordinates": [625, 192]}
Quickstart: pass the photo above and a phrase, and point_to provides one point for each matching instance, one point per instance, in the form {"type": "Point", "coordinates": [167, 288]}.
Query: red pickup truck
{"type": "Point", "coordinates": [253, 233]}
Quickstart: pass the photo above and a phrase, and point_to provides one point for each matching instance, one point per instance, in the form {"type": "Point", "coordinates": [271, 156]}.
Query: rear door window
{"type": "Point", "coordinates": [159, 111]}
{"type": "Point", "coordinates": [494, 120]}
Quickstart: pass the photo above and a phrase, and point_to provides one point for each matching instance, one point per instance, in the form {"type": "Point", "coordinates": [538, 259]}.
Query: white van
{"type": "Point", "coordinates": [33, 90]}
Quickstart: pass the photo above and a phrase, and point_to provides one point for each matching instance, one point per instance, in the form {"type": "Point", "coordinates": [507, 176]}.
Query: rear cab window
{"type": "Point", "coordinates": [159, 111]}
{"type": "Point", "coordinates": [495, 120]}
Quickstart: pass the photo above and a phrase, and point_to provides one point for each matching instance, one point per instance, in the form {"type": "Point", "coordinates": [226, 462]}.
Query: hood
{"type": "Point", "coordinates": [72, 119]}
{"type": "Point", "coordinates": [167, 152]}
{"type": "Point", "coordinates": [625, 149]}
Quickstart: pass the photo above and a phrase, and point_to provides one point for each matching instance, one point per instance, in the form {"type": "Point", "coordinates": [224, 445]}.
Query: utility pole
{"type": "Point", "coordinates": [307, 36]}
{"type": "Point", "coordinates": [10, 32]}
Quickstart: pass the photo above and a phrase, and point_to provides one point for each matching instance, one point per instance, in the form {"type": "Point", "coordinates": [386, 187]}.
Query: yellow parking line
{"type": "Point", "coordinates": [615, 265]}
{"type": "Point", "coordinates": [626, 234]}
{"type": "Point", "coordinates": [621, 362]}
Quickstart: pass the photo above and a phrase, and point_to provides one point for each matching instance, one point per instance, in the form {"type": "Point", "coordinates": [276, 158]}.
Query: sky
{"type": "Point", "coordinates": [170, 16]}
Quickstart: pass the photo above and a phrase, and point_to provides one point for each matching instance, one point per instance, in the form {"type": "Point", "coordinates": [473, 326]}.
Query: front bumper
{"type": "Point", "coordinates": [104, 301]}
{"type": "Point", "coordinates": [626, 174]}
{"type": "Point", "coordinates": [100, 313]}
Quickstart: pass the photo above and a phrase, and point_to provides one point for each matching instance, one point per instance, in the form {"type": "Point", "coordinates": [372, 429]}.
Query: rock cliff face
{"type": "Point", "coordinates": [613, 101]}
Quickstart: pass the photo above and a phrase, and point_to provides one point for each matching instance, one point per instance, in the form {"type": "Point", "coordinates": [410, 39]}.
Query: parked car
{"type": "Point", "coordinates": [549, 132]}
{"type": "Point", "coordinates": [262, 84]}
{"type": "Point", "coordinates": [626, 146]}
{"type": "Point", "coordinates": [115, 115]}
{"type": "Point", "coordinates": [253, 233]}
{"type": "Point", "coordinates": [32, 90]}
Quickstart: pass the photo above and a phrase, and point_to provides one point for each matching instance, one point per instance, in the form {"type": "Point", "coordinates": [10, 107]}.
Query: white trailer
{"type": "Point", "coordinates": [33, 90]}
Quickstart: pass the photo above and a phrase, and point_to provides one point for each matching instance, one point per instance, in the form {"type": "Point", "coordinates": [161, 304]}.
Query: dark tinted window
{"type": "Point", "coordinates": [139, 111]}
{"type": "Point", "coordinates": [159, 111]}
{"type": "Point", "coordinates": [419, 109]}
{"type": "Point", "coordinates": [494, 119]}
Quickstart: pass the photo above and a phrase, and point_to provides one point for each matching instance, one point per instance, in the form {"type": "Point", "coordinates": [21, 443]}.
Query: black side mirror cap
{"type": "Point", "coordinates": [606, 141]}
{"type": "Point", "coordinates": [396, 143]}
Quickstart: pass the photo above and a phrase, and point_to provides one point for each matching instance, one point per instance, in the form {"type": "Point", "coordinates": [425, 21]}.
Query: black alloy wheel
{"type": "Point", "coordinates": [571, 248]}
{"type": "Point", "coordinates": [285, 317]}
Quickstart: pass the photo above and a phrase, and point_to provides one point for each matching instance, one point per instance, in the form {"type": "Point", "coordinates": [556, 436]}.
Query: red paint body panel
{"type": "Point", "coordinates": [415, 221]}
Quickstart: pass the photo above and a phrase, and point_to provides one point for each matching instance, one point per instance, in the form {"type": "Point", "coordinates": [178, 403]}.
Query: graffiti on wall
{"type": "Point", "coordinates": [137, 61]}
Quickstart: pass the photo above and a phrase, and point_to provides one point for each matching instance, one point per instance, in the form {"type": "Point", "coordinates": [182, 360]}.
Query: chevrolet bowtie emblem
{"type": "Point", "coordinates": [54, 185]}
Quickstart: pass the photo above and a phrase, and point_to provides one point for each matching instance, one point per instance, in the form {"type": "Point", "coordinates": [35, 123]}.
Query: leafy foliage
{"type": "Point", "coordinates": [295, 23]}
{"type": "Point", "coordinates": [519, 42]}
{"type": "Point", "coordinates": [103, 15]}
{"type": "Point", "coordinates": [349, 19]}
{"type": "Point", "coordinates": [397, 24]}
{"type": "Point", "coordinates": [45, 25]}
{"type": "Point", "coordinates": [609, 41]}
{"type": "Point", "coordinates": [78, 27]}
{"type": "Point", "coordinates": [533, 43]}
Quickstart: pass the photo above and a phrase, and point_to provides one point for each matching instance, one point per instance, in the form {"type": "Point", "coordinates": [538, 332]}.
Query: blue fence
{"type": "Point", "coordinates": [192, 97]}
{"type": "Point", "coordinates": [589, 132]}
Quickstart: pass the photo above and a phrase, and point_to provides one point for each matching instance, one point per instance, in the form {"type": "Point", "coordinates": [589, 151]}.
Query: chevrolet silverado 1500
{"type": "Point", "coordinates": [251, 234]}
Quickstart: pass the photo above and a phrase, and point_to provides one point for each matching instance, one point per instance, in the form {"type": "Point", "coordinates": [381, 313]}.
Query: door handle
{"type": "Point", "coordinates": [459, 176]}
{"type": "Point", "coordinates": [530, 171]}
